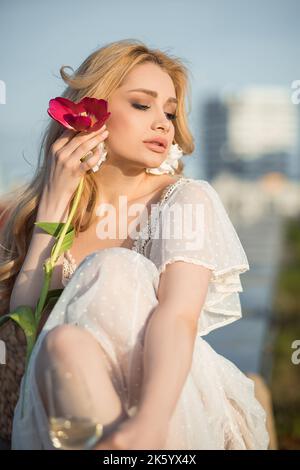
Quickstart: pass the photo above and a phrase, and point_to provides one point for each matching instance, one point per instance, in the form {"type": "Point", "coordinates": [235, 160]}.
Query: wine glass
{"type": "Point", "coordinates": [72, 413]}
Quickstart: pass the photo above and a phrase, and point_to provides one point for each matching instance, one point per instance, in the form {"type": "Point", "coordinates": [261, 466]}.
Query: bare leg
{"type": "Point", "coordinates": [76, 346]}
{"type": "Point", "coordinates": [263, 395]}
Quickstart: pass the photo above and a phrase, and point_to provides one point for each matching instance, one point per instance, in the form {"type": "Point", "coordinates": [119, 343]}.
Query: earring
{"type": "Point", "coordinates": [103, 155]}
{"type": "Point", "coordinates": [170, 164]}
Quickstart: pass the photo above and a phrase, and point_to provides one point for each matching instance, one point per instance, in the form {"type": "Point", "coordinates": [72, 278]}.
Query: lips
{"type": "Point", "coordinates": [155, 146]}
{"type": "Point", "coordinates": [157, 139]}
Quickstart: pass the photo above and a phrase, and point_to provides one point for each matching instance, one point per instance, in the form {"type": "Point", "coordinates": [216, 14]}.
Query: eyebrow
{"type": "Point", "coordinates": [154, 94]}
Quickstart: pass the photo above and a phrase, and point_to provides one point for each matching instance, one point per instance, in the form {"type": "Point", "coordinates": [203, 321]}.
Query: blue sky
{"type": "Point", "coordinates": [226, 44]}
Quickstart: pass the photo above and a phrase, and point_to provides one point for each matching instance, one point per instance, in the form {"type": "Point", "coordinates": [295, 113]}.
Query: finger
{"type": "Point", "coordinates": [89, 162]}
{"type": "Point", "coordinates": [81, 138]}
{"type": "Point", "coordinates": [65, 137]}
{"type": "Point", "coordinates": [92, 144]}
{"type": "Point", "coordinates": [88, 132]}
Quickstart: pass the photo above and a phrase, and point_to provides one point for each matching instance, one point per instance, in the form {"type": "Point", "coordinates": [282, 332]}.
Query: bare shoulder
{"type": "Point", "coordinates": [159, 184]}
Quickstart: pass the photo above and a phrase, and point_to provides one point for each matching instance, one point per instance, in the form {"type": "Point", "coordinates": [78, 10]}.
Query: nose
{"type": "Point", "coordinates": [162, 123]}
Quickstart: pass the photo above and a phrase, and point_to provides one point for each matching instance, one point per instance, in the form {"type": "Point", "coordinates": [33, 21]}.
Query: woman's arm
{"type": "Point", "coordinates": [168, 351]}
{"type": "Point", "coordinates": [169, 339]}
{"type": "Point", "coordinates": [30, 279]}
{"type": "Point", "coordinates": [65, 173]}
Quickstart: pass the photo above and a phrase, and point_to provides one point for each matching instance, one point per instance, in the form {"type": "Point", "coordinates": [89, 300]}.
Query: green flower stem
{"type": "Point", "coordinates": [79, 190]}
{"type": "Point", "coordinates": [43, 296]}
{"type": "Point", "coordinates": [48, 267]}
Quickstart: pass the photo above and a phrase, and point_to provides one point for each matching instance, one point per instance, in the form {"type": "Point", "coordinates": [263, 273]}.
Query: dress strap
{"type": "Point", "coordinates": [144, 235]}
{"type": "Point", "coordinates": [170, 188]}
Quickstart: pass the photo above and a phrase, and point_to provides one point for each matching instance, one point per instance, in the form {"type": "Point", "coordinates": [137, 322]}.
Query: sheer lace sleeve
{"type": "Point", "coordinates": [194, 227]}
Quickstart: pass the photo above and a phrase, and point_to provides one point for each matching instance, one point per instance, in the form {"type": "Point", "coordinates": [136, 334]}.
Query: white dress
{"type": "Point", "coordinates": [112, 294]}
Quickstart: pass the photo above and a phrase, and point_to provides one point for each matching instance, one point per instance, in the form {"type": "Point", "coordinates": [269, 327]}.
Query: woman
{"type": "Point", "coordinates": [135, 307]}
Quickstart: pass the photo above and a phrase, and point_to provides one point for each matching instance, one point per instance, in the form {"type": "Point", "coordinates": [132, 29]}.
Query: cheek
{"type": "Point", "coordinates": [125, 131]}
{"type": "Point", "coordinates": [126, 124]}
{"type": "Point", "coordinates": [118, 119]}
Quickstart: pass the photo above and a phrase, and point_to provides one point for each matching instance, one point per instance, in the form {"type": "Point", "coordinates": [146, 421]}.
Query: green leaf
{"type": "Point", "coordinates": [53, 228]}
{"type": "Point", "coordinates": [4, 319]}
{"type": "Point", "coordinates": [66, 244]}
{"type": "Point", "coordinates": [24, 317]}
{"type": "Point", "coordinates": [51, 298]}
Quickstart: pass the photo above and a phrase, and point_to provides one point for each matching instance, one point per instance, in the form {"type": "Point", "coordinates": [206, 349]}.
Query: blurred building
{"type": "Point", "coordinates": [249, 201]}
{"type": "Point", "coordinates": [252, 133]}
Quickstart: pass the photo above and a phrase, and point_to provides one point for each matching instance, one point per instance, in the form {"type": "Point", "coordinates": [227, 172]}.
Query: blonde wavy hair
{"type": "Point", "coordinates": [98, 76]}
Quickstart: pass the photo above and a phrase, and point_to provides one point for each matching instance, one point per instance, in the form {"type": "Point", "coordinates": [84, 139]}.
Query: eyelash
{"type": "Point", "coordinates": [143, 107]}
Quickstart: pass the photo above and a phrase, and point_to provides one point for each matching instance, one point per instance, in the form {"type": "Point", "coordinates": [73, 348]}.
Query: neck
{"type": "Point", "coordinates": [114, 181]}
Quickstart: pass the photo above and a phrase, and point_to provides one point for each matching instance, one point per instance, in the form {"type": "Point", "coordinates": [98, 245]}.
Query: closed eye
{"type": "Point", "coordinates": [144, 107]}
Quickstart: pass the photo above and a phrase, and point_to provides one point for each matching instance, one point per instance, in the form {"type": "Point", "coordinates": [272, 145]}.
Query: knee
{"type": "Point", "coordinates": [65, 340]}
{"type": "Point", "coordinates": [124, 268]}
{"type": "Point", "coordinates": [127, 264]}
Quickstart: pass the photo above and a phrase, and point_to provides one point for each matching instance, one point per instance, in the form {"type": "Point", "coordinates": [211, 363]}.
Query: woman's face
{"type": "Point", "coordinates": [129, 126]}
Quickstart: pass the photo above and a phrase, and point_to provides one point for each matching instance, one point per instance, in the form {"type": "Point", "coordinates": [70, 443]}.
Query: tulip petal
{"type": "Point", "coordinates": [69, 105]}
{"type": "Point", "coordinates": [100, 123]}
{"type": "Point", "coordinates": [58, 109]}
{"type": "Point", "coordinates": [94, 106]}
{"type": "Point", "coordinates": [60, 120]}
{"type": "Point", "coordinates": [79, 123]}
{"type": "Point", "coordinates": [59, 106]}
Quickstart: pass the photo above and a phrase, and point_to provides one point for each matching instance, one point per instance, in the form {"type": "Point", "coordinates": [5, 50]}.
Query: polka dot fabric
{"type": "Point", "coordinates": [208, 238]}
{"type": "Point", "coordinates": [113, 293]}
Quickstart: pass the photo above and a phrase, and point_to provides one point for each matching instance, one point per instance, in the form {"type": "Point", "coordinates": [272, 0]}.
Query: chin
{"type": "Point", "coordinates": [154, 160]}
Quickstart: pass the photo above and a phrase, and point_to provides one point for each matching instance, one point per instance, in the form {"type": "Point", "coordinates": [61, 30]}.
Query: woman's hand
{"type": "Point", "coordinates": [66, 169]}
{"type": "Point", "coordinates": [135, 434]}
